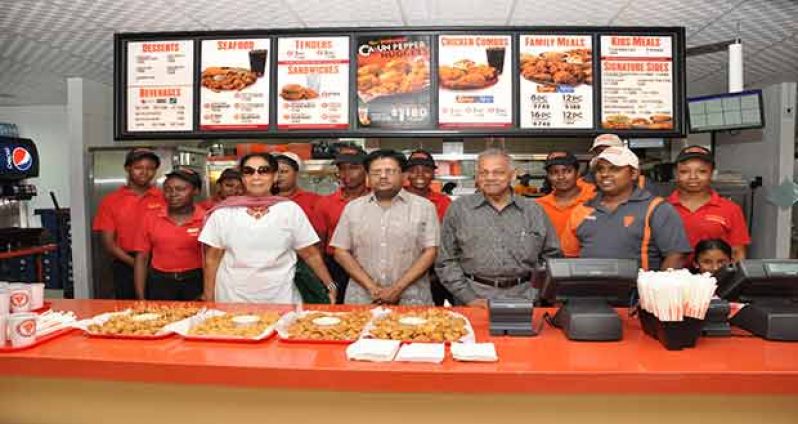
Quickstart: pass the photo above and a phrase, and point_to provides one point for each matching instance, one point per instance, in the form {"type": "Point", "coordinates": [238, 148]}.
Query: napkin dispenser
{"type": "Point", "coordinates": [511, 317]}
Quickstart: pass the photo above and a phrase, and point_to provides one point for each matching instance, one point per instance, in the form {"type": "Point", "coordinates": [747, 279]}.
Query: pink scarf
{"type": "Point", "coordinates": [244, 202]}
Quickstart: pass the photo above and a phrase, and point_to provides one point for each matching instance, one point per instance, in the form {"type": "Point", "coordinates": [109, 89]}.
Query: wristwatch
{"type": "Point", "coordinates": [332, 285]}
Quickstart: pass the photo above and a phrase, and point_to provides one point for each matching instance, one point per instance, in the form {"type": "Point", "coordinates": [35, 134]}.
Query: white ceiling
{"type": "Point", "coordinates": [43, 42]}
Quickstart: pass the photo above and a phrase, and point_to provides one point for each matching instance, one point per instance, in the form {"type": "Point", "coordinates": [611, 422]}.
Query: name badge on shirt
{"type": "Point", "coordinates": [153, 206]}
{"type": "Point", "coordinates": [193, 231]}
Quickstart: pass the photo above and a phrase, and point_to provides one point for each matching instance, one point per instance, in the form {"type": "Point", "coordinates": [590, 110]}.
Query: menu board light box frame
{"type": "Point", "coordinates": [122, 40]}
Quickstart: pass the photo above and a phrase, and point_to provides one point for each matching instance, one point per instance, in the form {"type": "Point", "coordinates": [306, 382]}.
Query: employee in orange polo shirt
{"type": "Point", "coordinates": [420, 169]}
{"type": "Point", "coordinates": [120, 213]}
{"type": "Point", "coordinates": [705, 213]}
{"type": "Point", "coordinates": [568, 190]}
{"type": "Point", "coordinates": [228, 184]}
{"type": "Point", "coordinates": [352, 181]}
{"type": "Point", "coordinates": [169, 240]}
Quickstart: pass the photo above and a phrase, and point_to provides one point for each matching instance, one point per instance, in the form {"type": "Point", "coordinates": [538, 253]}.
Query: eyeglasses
{"type": "Point", "coordinates": [262, 170]}
{"type": "Point", "coordinates": [381, 172]}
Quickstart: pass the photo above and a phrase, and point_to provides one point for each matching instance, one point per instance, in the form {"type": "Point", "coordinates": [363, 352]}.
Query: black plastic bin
{"type": "Point", "coordinates": [674, 335]}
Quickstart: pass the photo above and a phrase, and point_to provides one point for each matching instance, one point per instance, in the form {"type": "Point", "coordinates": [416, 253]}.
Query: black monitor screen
{"type": "Point", "coordinates": [610, 279]}
{"type": "Point", "coordinates": [755, 279]}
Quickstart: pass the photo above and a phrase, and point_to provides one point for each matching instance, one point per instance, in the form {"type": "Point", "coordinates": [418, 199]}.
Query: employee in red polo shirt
{"type": "Point", "coordinates": [228, 184]}
{"type": "Point", "coordinates": [168, 240]}
{"type": "Point", "coordinates": [352, 181]}
{"type": "Point", "coordinates": [420, 172]}
{"type": "Point", "coordinates": [705, 213]}
{"type": "Point", "coordinates": [288, 167]}
{"type": "Point", "coordinates": [420, 169]}
{"type": "Point", "coordinates": [120, 213]}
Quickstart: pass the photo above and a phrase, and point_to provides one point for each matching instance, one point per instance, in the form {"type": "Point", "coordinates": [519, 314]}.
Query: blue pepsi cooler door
{"type": "Point", "coordinates": [19, 159]}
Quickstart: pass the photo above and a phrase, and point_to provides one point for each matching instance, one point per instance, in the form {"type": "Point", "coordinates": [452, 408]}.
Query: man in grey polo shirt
{"type": "Point", "coordinates": [624, 221]}
{"type": "Point", "coordinates": [387, 240]}
{"type": "Point", "coordinates": [492, 241]}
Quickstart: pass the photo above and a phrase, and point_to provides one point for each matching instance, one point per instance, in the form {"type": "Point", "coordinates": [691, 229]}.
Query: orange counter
{"type": "Point", "coordinates": [547, 366]}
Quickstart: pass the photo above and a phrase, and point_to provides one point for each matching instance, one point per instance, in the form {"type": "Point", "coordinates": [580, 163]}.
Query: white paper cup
{"type": "Point", "coordinates": [22, 329]}
{"type": "Point", "coordinates": [5, 299]}
{"type": "Point", "coordinates": [3, 331]}
{"type": "Point", "coordinates": [20, 300]}
{"type": "Point", "coordinates": [36, 295]}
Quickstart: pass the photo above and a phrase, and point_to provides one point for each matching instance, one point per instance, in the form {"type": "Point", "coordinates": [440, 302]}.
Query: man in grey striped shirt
{"type": "Point", "coordinates": [492, 241]}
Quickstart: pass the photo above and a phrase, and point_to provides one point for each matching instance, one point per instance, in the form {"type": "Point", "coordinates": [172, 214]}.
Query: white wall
{"type": "Point", "coordinates": [47, 127]}
{"type": "Point", "coordinates": [90, 123]}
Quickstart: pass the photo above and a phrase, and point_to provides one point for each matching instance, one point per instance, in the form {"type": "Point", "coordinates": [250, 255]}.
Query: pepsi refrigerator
{"type": "Point", "coordinates": [107, 173]}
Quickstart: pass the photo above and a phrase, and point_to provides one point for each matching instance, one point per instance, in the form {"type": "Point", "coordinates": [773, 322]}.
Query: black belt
{"type": "Point", "coordinates": [178, 276]}
{"type": "Point", "coordinates": [501, 283]}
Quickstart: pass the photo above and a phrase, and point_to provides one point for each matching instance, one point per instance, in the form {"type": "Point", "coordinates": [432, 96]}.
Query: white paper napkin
{"type": "Point", "coordinates": [422, 352]}
{"type": "Point", "coordinates": [475, 352]}
{"type": "Point", "coordinates": [373, 350]}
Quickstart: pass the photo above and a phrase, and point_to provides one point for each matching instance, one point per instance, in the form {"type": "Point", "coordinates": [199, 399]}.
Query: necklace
{"type": "Point", "coordinates": [257, 211]}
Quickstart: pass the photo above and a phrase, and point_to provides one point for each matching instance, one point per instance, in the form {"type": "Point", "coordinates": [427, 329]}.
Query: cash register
{"type": "Point", "coordinates": [587, 289]}
{"type": "Point", "coordinates": [769, 288]}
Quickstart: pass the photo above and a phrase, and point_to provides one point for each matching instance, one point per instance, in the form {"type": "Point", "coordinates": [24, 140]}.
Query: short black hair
{"type": "Point", "coordinates": [263, 155]}
{"type": "Point", "coordinates": [386, 154]}
{"type": "Point", "coordinates": [712, 244]}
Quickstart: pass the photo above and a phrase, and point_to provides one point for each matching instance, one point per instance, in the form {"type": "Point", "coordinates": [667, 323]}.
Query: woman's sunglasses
{"type": "Point", "coordinates": [261, 170]}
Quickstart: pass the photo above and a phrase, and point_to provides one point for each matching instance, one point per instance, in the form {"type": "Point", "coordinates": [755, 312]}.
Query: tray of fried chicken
{"type": "Point", "coordinates": [141, 321]}
{"type": "Point", "coordinates": [396, 77]}
{"type": "Point", "coordinates": [224, 326]}
{"type": "Point", "coordinates": [427, 325]}
{"type": "Point", "coordinates": [319, 326]}
{"type": "Point", "coordinates": [554, 68]}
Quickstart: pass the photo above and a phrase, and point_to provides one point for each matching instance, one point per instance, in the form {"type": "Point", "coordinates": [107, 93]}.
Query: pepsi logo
{"type": "Point", "coordinates": [21, 158]}
{"type": "Point", "coordinates": [19, 299]}
{"type": "Point", "coordinates": [26, 328]}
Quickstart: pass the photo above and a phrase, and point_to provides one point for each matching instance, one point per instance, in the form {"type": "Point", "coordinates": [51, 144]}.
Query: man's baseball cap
{"type": "Point", "coordinates": [618, 156]}
{"type": "Point", "coordinates": [142, 153]}
{"type": "Point", "coordinates": [561, 158]}
{"type": "Point", "coordinates": [695, 152]}
{"type": "Point", "coordinates": [608, 140]}
{"type": "Point", "coordinates": [350, 154]}
{"type": "Point", "coordinates": [420, 157]}
{"type": "Point", "coordinates": [290, 158]}
{"type": "Point", "coordinates": [188, 175]}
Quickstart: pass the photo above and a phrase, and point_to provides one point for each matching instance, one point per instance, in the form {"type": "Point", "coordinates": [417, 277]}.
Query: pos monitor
{"type": "Point", "coordinates": [587, 288]}
{"type": "Point", "coordinates": [769, 287]}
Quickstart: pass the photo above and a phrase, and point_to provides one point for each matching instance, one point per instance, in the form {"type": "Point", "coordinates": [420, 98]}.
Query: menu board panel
{"type": "Point", "coordinates": [556, 81]}
{"type": "Point", "coordinates": [393, 82]}
{"type": "Point", "coordinates": [474, 90]}
{"type": "Point", "coordinates": [313, 83]}
{"type": "Point", "coordinates": [160, 86]}
{"type": "Point", "coordinates": [637, 82]}
{"type": "Point", "coordinates": [235, 84]}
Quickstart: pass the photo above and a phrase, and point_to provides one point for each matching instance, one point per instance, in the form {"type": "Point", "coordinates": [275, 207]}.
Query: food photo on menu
{"type": "Point", "coordinates": [558, 71]}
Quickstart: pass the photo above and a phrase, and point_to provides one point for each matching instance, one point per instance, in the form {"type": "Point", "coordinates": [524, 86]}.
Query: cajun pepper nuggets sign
{"type": "Point", "coordinates": [313, 83]}
{"type": "Point", "coordinates": [393, 78]}
{"type": "Point", "coordinates": [160, 80]}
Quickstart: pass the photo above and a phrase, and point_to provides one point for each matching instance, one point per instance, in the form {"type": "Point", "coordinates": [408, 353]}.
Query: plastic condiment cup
{"type": "Point", "coordinates": [245, 320]}
{"type": "Point", "coordinates": [326, 321]}
{"type": "Point", "coordinates": [5, 301]}
{"type": "Point", "coordinates": [19, 300]}
{"type": "Point", "coordinates": [3, 331]}
{"type": "Point", "coordinates": [22, 329]}
{"type": "Point", "coordinates": [36, 295]}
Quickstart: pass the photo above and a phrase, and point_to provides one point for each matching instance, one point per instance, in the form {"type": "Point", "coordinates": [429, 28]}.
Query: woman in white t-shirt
{"type": "Point", "coordinates": [252, 242]}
